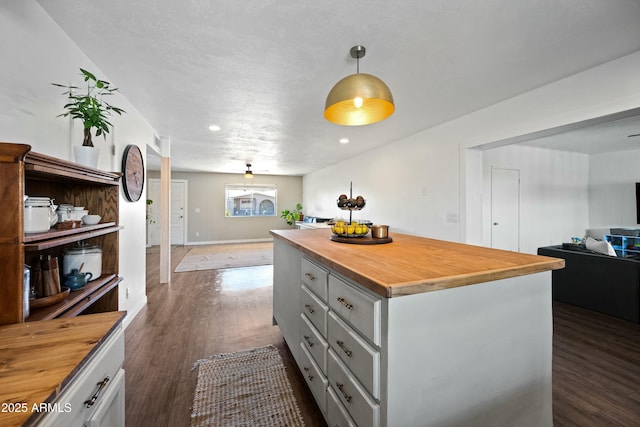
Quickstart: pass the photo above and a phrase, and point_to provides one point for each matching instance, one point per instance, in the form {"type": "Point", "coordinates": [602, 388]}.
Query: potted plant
{"type": "Point", "coordinates": [92, 109]}
{"type": "Point", "coordinates": [292, 216]}
{"type": "Point", "coordinates": [150, 219]}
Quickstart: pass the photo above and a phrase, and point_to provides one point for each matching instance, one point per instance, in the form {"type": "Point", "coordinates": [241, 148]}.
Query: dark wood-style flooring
{"type": "Point", "coordinates": [596, 361]}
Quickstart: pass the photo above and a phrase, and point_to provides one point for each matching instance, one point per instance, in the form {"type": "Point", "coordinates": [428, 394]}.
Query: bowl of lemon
{"type": "Point", "coordinates": [352, 229]}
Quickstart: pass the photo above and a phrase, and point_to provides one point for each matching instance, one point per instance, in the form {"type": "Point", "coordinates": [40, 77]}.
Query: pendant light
{"type": "Point", "coordinates": [358, 99]}
{"type": "Point", "coordinates": [248, 174]}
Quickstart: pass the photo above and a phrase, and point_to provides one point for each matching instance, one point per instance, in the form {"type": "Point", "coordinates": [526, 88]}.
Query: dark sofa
{"type": "Point", "coordinates": [598, 282]}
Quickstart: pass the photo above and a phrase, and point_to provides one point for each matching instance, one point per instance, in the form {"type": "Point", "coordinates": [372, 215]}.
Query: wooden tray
{"type": "Point", "coordinates": [365, 240]}
{"type": "Point", "coordinates": [50, 300]}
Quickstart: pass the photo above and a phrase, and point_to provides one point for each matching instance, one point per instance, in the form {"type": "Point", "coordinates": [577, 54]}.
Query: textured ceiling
{"type": "Point", "coordinates": [609, 136]}
{"type": "Point", "coordinates": [262, 69]}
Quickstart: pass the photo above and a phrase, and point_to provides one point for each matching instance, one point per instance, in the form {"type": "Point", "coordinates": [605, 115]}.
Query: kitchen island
{"type": "Point", "coordinates": [417, 332]}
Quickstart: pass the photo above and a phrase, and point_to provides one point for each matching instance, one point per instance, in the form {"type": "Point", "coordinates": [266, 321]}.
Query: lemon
{"type": "Point", "coordinates": [351, 229]}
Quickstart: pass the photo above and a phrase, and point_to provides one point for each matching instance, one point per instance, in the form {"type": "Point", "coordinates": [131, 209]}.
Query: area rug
{"type": "Point", "coordinates": [248, 388]}
{"type": "Point", "coordinates": [214, 257]}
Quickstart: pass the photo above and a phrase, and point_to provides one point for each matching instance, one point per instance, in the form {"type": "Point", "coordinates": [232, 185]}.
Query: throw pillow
{"type": "Point", "coordinates": [600, 246]}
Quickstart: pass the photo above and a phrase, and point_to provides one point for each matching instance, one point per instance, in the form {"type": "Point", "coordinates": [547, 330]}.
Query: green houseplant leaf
{"type": "Point", "coordinates": [292, 216]}
{"type": "Point", "coordinates": [91, 108]}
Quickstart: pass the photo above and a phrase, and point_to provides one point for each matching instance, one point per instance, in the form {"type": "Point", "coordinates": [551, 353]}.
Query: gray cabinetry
{"type": "Point", "coordinates": [448, 357]}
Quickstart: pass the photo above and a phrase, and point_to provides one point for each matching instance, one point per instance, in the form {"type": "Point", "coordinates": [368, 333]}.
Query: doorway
{"type": "Point", "coordinates": [505, 209]}
{"type": "Point", "coordinates": [178, 212]}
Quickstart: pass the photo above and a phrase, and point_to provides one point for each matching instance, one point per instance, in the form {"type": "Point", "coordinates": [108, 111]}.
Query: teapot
{"type": "Point", "coordinates": [76, 280]}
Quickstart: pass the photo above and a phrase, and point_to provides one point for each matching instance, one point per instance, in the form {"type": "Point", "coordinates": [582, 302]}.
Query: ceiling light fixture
{"type": "Point", "coordinates": [344, 140]}
{"type": "Point", "coordinates": [214, 128]}
{"type": "Point", "coordinates": [358, 99]}
{"type": "Point", "coordinates": [248, 174]}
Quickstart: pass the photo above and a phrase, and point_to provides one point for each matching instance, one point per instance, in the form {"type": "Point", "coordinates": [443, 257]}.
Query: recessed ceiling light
{"type": "Point", "coordinates": [344, 140]}
{"type": "Point", "coordinates": [214, 128]}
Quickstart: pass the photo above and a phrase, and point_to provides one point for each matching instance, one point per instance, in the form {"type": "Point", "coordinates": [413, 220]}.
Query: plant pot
{"type": "Point", "coordinates": [87, 156]}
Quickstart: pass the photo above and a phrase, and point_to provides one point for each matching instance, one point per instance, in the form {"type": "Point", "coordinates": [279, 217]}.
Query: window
{"type": "Point", "coordinates": [250, 200]}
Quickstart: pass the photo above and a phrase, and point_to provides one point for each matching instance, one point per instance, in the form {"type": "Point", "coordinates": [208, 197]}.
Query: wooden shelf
{"type": "Point", "coordinates": [53, 238]}
{"type": "Point", "coordinates": [46, 167]}
{"type": "Point", "coordinates": [23, 172]}
{"type": "Point", "coordinates": [73, 304]}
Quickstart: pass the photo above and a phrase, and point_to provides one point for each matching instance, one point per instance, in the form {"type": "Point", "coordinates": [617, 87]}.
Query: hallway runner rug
{"type": "Point", "coordinates": [248, 388]}
{"type": "Point", "coordinates": [215, 257]}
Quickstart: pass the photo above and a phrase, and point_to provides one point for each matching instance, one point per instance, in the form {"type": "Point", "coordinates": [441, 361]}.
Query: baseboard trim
{"type": "Point", "coordinates": [224, 242]}
{"type": "Point", "coordinates": [131, 314]}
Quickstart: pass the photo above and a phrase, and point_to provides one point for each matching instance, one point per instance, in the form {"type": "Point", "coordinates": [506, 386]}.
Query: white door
{"type": "Point", "coordinates": [178, 212]}
{"type": "Point", "coordinates": [178, 197]}
{"type": "Point", "coordinates": [153, 212]}
{"type": "Point", "coordinates": [505, 209]}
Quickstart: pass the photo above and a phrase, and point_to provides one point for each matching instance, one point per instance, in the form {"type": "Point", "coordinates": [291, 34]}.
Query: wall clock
{"type": "Point", "coordinates": [132, 173]}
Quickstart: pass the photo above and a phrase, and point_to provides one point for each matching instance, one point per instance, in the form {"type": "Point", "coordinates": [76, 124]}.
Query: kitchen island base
{"type": "Point", "coordinates": [478, 354]}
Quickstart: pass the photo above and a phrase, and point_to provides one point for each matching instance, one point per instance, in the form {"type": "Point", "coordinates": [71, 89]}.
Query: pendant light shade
{"type": "Point", "coordinates": [359, 99]}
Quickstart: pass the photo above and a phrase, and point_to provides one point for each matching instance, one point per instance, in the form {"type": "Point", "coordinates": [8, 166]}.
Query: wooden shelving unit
{"type": "Point", "coordinates": [24, 172]}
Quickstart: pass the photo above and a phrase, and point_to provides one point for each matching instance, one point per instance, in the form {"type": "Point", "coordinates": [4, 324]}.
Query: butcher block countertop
{"type": "Point", "coordinates": [411, 265]}
{"type": "Point", "coordinates": [38, 359]}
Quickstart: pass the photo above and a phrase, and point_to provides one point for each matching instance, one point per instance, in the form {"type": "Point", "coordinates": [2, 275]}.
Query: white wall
{"type": "Point", "coordinates": [411, 185]}
{"type": "Point", "coordinates": [554, 189]}
{"type": "Point", "coordinates": [415, 182]}
{"type": "Point", "coordinates": [612, 190]}
{"type": "Point", "coordinates": [36, 53]}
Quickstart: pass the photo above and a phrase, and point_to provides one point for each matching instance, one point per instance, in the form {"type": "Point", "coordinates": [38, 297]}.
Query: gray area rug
{"type": "Point", "coordinates": [248, 388]}
{"type": "Point", "coordinates": [215, 257]}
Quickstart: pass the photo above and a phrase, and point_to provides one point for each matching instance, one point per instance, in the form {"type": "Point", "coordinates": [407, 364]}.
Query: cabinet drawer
{"type": "Point", "coordinates": [314, 309]}
{"type": "Point", "coordinates": [362, 408]}
{"type": "Point", "coordinates": [314, 342]}
{"type": "Point", "coordinates": [111, 410]}
{"type": "Point", "coordinates": [359, 309]}
{"type": "Point", "coordinates": [360, 357]}
{"type": "Point", "coordinates": [315, 277]}
{"type": "Point", "coordinates": [336, 414]}
{"type": "Point", "coordinates": [316, 381]}
{"type": "Point", "coordinates": [106, 363]}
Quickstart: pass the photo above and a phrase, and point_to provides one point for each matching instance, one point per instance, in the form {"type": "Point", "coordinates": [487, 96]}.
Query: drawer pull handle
{"type": "Point", "coordinates": [309, 308]}
{"type": "Point", "coordinates": [341, 388]}
{"type": "Point", "coordinates": [308, 339]}
{"type": "Point", "coordinates": [101, 385]}
{"type": "Point", "coordinates": [345, 349]}
{"type": "Point", "coordinates": [345, 303]}
{"type": "Point", "coordinates": [309, 276]}
{"type": "Point", "coordinates": [308, 375]}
